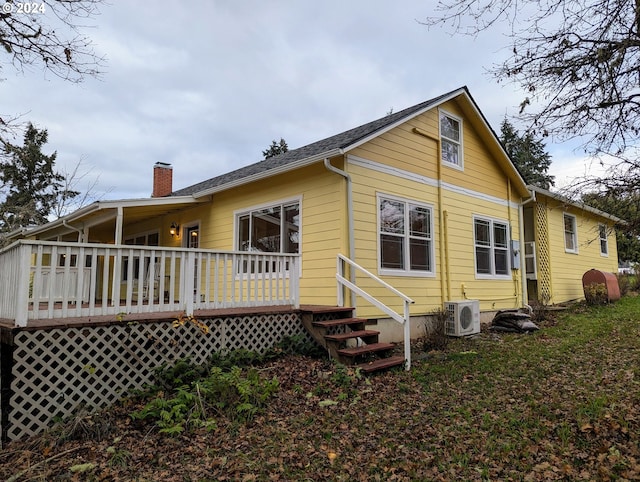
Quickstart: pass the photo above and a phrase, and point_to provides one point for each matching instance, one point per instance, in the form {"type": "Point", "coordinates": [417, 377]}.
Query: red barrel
{"type": "Point", "coordinates": [609, 280]}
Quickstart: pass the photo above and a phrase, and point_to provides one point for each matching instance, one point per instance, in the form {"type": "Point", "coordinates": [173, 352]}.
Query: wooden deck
{"type": "Point", "coordinates": [6, 324]}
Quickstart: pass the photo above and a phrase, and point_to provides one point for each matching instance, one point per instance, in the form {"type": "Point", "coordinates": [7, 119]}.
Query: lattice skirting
{"type": "Point", "coordinates": [57, 372]}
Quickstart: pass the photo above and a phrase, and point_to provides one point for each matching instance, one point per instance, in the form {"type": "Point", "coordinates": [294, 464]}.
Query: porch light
{"type": "Point", "coordinates": [174, 230]}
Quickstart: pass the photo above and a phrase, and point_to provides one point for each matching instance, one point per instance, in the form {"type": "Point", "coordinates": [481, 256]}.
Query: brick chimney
{"type": "Point", "coordinates": [162, 179]}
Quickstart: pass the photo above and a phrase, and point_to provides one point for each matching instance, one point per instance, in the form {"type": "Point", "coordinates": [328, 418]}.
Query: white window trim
{"type": "Point", "coordinates": [575, 233]}
{"type": "Point", "coordinates": [184, 242]}
{"type": "Point", "coordinates": [459, 166]}
{"type": "Point", "coordinates": [279, 202]}
{"type": "Point", "coordinates": [405, 272]}
{"type": "Point", "coordinates": [605, 239]}
{"type": "Point", "coordinates": [493, 275]}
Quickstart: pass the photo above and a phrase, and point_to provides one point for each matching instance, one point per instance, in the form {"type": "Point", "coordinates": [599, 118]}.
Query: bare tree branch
{"type": "Point", "coordinates": [51, 38]}
{"type": "Point", "coordinates": [577, 59]}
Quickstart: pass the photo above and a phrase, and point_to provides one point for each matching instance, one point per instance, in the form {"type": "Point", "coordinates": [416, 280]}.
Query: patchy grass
{"type": "Point", "coordinates": [560, 404]}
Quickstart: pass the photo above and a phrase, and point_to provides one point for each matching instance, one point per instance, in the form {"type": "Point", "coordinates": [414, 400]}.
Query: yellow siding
{"type": "Point", "coordinates": [407, 167]}
{"type": "Point", "coordinates": [323, 220]}
{"type": "Point", "coordinates": [459, 209]}
{"type": "Point", "coordinates": [567, 268]}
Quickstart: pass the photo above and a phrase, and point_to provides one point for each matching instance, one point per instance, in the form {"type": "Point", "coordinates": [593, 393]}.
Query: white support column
{"type": "Point", "coordinates": [119, 226]}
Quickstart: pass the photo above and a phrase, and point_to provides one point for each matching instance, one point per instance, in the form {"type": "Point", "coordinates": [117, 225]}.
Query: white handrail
{"type": "Point", "coordinates": [403, 319]}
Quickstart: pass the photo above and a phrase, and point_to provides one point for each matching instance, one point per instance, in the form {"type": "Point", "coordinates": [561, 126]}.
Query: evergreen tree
{"type": "Point", "coordinates": [275, 149]}
{"type": "Point", "coordinates": [528, 154]}
{"type": "Point", "coordinates": [31, 186]}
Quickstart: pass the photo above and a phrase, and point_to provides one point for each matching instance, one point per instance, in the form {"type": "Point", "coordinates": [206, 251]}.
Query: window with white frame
{"type": "Point", "coordinates": [451, 139]}
{"type": "Point", "coordinates": [406, 236]}
{"type": "Point", "coordinates": [491, 242]}
{"type": "Point", "coordinates": [604, 243]}
{"type": "Point", "coordinates": [570, 233]}
{"type": "Point", "coordinates": [143, 239]}
{"type": "Point", "coordinates": [272, 229]}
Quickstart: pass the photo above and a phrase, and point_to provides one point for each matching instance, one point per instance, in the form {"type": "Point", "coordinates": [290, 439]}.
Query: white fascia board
{"type": "Point", "coordinates": [269, 173]}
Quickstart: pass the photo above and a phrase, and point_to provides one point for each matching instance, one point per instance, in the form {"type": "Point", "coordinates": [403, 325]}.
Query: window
{"type": "Point", "coordinates": [148, 239]}
{"type": "Point", "coordinates": [192, 236]}
{"type": "Point", "coordinates": [491, 241]}
{"type": "Point", "coordinates": [406, 239]}
{"type": "Point", "coordinates": [451, 140]}
{"type": "Point", "coordinates": [570, 236]}
{"type": "Point", "coordinates": [604, 244]}
{"type": "Point", "coordinates": [274, 229]}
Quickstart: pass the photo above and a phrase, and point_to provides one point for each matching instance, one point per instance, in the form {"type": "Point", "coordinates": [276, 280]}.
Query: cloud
{"type": "Point", "coordinates": [207, 85]}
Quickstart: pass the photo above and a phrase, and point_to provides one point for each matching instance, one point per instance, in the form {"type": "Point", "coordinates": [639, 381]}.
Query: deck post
{"type": "Point", "coordinates": [294, 280]}
{"type": "Point", "coordinates": [24, 275]}
{"type": "Point", "coordinates": [188, 283]}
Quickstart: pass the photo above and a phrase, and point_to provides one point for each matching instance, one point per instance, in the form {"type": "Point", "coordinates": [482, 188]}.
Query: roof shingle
{"type": "Point", "coordinates": [338, 141]}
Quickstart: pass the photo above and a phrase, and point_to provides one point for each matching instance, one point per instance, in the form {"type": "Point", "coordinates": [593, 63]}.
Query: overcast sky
{"type": "Point", "coordinates": [207, 85]}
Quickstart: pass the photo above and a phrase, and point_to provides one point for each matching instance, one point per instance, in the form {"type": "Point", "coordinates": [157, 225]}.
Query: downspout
{"type": "Point", "coordinates": [73, 228]}
{"type": "Point", "coordinates": [350, 228]}
{"type": "Point", "coordinates": [445, 279]}
{"type": "Point", "coordinates": [523, 261]}
{"type": "Point", "coordinates": [510, 219]}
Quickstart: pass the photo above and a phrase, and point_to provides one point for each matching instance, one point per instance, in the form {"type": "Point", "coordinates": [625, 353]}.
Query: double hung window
{"type": "Point", "coordinates": [406, 236]}
{"type": "Point", "coordinates": [604, 244]}
{"type": "Point", "coordinates": [570, 234]}
{"type": "Point", "coordinates": [491, 241]}
{"type": "Point", "coordinates": [451, 140]}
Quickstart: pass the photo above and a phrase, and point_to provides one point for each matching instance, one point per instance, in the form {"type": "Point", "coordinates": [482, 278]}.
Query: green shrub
{"type": "Point", "coordinates": [184, 372]}
{"type": "Point", "coordinates": [596, 294]}
{"type": "Point", "coordinates": [235, 394]}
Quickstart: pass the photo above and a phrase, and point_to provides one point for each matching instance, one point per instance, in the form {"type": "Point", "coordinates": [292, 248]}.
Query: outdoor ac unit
{"type": "Point", "coordinates": [464, 317]}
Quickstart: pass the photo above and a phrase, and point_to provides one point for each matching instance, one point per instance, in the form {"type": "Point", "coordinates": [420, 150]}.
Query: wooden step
{"type": "Point", "coordinates": [381, 364]}
{"type": "Point", "coordinates": [339, 322]}
{"type": "Point", "coordinates": [364, 349]}
{"type": "Point", "coordinates": [351, 334]}
{"type": "Point", "coordinates": [325, 309]}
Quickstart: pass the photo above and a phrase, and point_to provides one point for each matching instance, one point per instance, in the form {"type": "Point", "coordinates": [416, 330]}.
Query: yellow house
{"type": "Point", "coordinates": [563, 240]}
{"type": "Point", "coordinates": [421, 205]}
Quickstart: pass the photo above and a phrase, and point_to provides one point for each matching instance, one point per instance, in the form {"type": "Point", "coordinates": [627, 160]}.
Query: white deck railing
{"type": "Point", "coordinates": [403, 318]}
{"type": "Point", "coordinates": [41, 279]}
